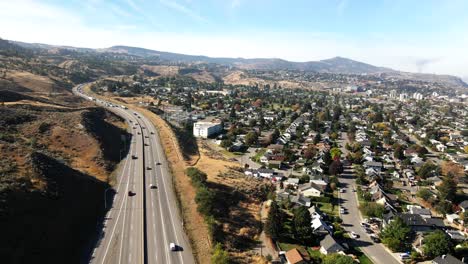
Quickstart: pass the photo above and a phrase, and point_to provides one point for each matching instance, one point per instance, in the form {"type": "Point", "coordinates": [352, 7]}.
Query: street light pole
{"type": "Point", "coordinates": [105, 197]}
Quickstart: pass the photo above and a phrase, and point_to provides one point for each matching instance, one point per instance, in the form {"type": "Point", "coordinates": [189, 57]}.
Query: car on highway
{"type": "Point", "coordinates": [353, 235]}
{"type": "Point", "coordinates": [148, 168]}
{"type": "Point", "coordinates": [139, 133]}
{"type": "Point", "coordinates": [130, 193]}
{"type": "Point", "coordinates": [152, 133]}
{"type": "Point", "coordinates": [146, 144]}
{"type": "Point", "coordinates": [342, 190]}
{"type": "Point", "coordinates": [134, 157]}
{"type": "Point", "coordinates": [146, 137]}
{"type": "Point", "coordinates": [152, 186]}
{"type": "Point", "coordinates": [172, 247]}
{"type": "Point", "coordinates": [158, 163]}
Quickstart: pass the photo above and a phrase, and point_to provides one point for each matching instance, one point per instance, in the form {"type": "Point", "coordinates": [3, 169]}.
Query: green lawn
{"type": "Point", "coordinates": [258, 155]}
{"type": "Point", "coordinates": [328, 208]}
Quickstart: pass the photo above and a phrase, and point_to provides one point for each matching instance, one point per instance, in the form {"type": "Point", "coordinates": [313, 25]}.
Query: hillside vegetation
{"type": "Point", "coordinates": [55, 164]}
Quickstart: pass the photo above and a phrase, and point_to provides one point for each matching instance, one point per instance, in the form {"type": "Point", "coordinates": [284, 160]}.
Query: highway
{"type": "Point", "coordinates": [139, 228]}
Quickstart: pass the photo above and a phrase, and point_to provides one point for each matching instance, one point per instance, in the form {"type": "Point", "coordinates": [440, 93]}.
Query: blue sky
{"type": "Point", "coordinates": [411, 35]}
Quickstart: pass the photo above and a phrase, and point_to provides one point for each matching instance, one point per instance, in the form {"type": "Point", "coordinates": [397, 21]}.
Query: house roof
{"type": "Point", "coordinates": [446, 259]}
{"type": "Point", "coordinates": [464, 204]}
{"type": "Point", "coordinates": [294, 256]}
{"type": "Point", "coordinates": [330, 245]}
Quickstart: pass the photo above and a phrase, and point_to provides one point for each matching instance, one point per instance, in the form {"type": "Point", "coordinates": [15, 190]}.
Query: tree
{"type": "Point", "coordinates": [335, 153]}
{"type": "Point", "coordinates": [447, 189]}
{"type": "Point", "coordinates": [274, 136]}
{"type": "Point", "coordinates": [220, 256]}
{"type": "Point", "coordinates": [424, 194]}
{"type": "Point", "coordinates": [335, 167]}
{"type": "Point", "coordinates": [302, 227]}
{"type": "Point", "coordinates": [427, 170]}
{"type": "Point", "coordinates": [395, 235]}
{"type": "Point", "coordinates": [310, 152]}
{"type": "Point", "coordinates": [251, 138]}
{"type": "Point", "coordinates": [337, 259]}
{"type": "Point", "coordinates": [398, 152]}
{"type": "Point", "coordinates": [317, 138]}
{"type": "Point", "coordinates": [371, 209]}
{"type": "Point", "coordinates": [205, 200]}
{"type": "Point", "coordinates": [273, 226]}
{"type": "Point", "coordinates": [436, 244]}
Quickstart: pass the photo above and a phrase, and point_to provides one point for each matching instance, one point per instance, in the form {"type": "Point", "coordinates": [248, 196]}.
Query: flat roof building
{"type": "Point", "coordinates": [206, 129]}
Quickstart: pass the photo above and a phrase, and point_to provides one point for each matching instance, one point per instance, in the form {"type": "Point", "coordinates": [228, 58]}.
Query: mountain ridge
{"type": "Point", "coordinates": [335, 65]}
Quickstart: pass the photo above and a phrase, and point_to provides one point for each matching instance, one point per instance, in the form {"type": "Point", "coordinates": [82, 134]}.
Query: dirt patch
{"type": "Point", "coordinates": [162, 70]}
{"type": "Point", "coordinates": [241, 203]}
{"type": "Point", "coordinates": [33, 82]}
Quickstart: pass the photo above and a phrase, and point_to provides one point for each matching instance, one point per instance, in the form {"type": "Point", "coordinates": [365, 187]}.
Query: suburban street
{"type": "Point", "coordinates": [352, 219]}
{"type": "Point", "coordinates": [140, 227]}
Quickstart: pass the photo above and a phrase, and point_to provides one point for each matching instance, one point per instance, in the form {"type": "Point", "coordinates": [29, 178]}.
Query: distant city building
{"type": "Point", "coordinates": [206, 129]}
{"type": "Point", "coordinates": [393, 94]}
{"type": "Point", "coordinates": [417, 96]}
{"type": "Point", "coordinates": [403, 97]}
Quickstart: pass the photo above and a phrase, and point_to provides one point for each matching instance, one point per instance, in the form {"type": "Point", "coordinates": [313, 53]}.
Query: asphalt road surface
{"type": "Point", "coordinates": [139, 228]}
{"type": "Point", "coordinates": [352, 218]}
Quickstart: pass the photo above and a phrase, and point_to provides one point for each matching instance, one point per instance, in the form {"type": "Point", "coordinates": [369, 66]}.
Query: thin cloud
{"type": "Point", "coordinates": [184, 10]}
{"type": "Point", "coordinates": [119, 11]}
{"type": "Point", "coordinates": [235, 3]}
{"type": "Point", "coordinates": [341, 7]}
{"type": "Point", "coordinates": [135, 6]}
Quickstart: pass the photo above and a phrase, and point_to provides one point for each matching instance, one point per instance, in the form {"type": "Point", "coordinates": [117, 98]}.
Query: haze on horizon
{"type": "Point", "coordinates": [417, 36]}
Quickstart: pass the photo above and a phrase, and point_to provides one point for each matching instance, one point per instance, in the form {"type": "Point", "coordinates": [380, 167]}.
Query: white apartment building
{"type": "Point", "coordinates": [206, 129]}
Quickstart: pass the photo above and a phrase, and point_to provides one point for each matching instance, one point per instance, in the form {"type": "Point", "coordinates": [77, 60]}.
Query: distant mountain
{"type": "Point", "coordinates": [334, 65]}
{"type": "Point", "coordinates": [337, 65]}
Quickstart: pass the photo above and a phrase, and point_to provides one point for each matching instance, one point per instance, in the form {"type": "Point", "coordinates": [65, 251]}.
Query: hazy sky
{"type": "Point", "coordinates": [411, 35]}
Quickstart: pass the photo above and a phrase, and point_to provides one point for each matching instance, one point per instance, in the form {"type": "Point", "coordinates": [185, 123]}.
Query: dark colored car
{"type": "Point", "coordinates": [375, 239]}
{"type": "Point", "coordinates": [130, 193]}
{"type": "Point", "coordinates": [134, 157]}
{"type": "Point", "coordinates": [158, 163]}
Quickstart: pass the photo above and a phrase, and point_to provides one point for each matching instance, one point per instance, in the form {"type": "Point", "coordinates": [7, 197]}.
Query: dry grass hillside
{"type": "Point", "coordinates": [242, 196]}
{"type": "Point", "coordinates": [33, 82]}
{"type": "Point", "coordinates": [55, 162]}
{"type": "Point", "coordinates": [162, 70]}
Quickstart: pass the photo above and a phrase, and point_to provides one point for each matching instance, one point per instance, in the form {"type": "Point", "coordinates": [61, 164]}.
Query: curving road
{"type": "Point", "coordinates": [139, 228]}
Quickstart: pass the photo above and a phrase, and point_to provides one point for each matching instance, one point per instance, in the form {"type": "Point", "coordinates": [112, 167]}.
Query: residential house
{"type": "Point", "coordinates": [301, 200]}
{"type": "Point", "coordinates": [294, 182]}
{"type": "Point", "coordinates": [319, 226]}
{"type": "Point", "coordinates": [328, 245]}
{"type": "Point", "coordinates": [446, 259]}
{"type": "Point", "coordinates": [463, 206]}
{"type": "Point", "coordinates": [309, 190]}
{"type": "Point", "coordinates": [293, 256]}
{"type": "Point", "coordinates": [418, 223]}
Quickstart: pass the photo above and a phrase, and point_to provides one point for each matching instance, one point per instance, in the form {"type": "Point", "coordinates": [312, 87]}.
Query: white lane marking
{"type": "Point", "coordinates": [161, 215]}
{"type": "Point", "coordinates": [121, 205]}
{"type": "Point", "coordinates": [165, 196]}
{"type": "Point", "coordinates": [125, 214]}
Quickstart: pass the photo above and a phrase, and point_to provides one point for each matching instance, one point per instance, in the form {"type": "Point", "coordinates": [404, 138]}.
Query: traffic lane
{"type": "Point", "coordinates": [157, 207]}
{"type": "Point", "coordinates": [109, 242]}
{"type": "Point", "coordinates": [130, 245]}
{"type": "Point", "coordinates": [156, 254]}
{"type": "Point", "coordinates": [174, 232]}
{"type": "Point", "coordinates": [184, 255]}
